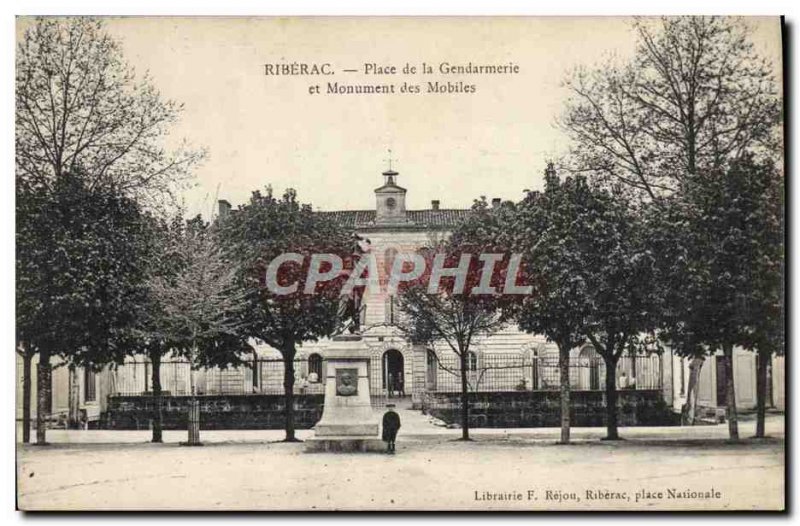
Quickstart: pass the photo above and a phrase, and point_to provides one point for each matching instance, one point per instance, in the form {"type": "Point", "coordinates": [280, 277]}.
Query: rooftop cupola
{"type": "Point", "coordinates": [389, 177]}
{"type": "Point", "coordinates": [390, 199]}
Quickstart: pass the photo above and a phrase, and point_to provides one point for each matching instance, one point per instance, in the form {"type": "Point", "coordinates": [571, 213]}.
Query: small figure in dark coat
{"type": "Point", "coordinates": [391, 424]}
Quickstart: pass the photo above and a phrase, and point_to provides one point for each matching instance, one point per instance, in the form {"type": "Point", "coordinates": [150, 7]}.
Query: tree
{"type": "Point", "coordinates": [79, 105]}
{"type": "Point", "coordinates": [769, 340]}
{"type": "Point", "coordinates": [615, 272]}
{"type": "Point", "coordinates": [731, 293]}
{"type": "Point", "coordinates": [185, 265]}
{"type": "Point", "coordinates": [27, 353]}
{"type": "Point", "coordinates": [679, 322]}
{"type": "Point", "coordinates": [80, 113]}
{"type": "Point", "coordinates": [255, 235]}
{"type": "Point", "coordinates": [549, 228]}
{"type": "Point", "coordinates": [695, 97]}
{"type": "Point", "coordinates": [152, 328]}
{"type": "Point", "coordinates": [79, 274]}
{"type": "Point", "coordinates": [199, 306]}
{"type": "Point", "coordinates": [695, 102]}
{"type": "Point", "coordinates": [454, 313]}
{"type": "Point", "coordinates": [766, 224]}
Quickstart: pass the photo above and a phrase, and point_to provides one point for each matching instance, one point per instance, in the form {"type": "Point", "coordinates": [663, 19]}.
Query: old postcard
{"type": "Point", "coordinates": [400, 263]}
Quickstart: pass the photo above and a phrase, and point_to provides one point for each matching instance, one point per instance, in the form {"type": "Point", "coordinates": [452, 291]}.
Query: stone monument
{"type": "Point", "coordinates": [348, 422]}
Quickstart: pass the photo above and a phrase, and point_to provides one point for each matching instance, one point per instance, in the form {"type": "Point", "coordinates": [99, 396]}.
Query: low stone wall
{"type": "Point", "coordinates": [216, 411]}
{"type": "Point", "coordinates": [543, 408]}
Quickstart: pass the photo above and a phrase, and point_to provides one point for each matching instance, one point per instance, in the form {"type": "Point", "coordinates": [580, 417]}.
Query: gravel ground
{"type": "Point", "coordinates": [522, 469]}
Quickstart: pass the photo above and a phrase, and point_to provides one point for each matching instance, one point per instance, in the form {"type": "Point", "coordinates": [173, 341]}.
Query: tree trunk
{"type": "Point", "coordinates": [689, 410]}
{"type": "Point", "coordinates": [762, 363]}
{"type": "Point", "coordinates": [43, 397]}
{"type": "Point", "coordinates": [155, 358]}
{"type": "Point", "coordinates": [27, 358]}
{"type": "Point", "coordinates": [73, 411]}
{"type": "Point", "coordinates": [611, 400]}
{"type": "Point", "coordinates": [730, 392]}
{"type": "Point", "coordinates": [193, 414]}
{"type": "Point", "coordinates": [464, 398]}
{"type": "Point", "coordinates": [256, 372]}
{"type": "Point", "coordinates": [288, 390]}
{"type": "Point", "coordinates": [563, 369]}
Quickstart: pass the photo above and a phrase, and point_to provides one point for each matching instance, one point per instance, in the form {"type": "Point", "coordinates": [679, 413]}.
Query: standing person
{"type": "Point", "coordinates": [391, 424]}
{"type": "Point", "coordinates": [623, 381]}
{"type": "Point", "coordinates": [303, 384]}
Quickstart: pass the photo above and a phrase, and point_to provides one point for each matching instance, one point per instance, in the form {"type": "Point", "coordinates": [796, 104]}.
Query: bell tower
{"type": "Point", "coordinates": [390, 198]}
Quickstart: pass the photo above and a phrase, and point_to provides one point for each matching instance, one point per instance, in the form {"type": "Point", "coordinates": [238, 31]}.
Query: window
{"type": "Point", "coordinates": [472, 361]}
{"type": "Point", "coordinates": [315, 368]}
{"type": "Point", "coordinates": [683, 377]}
{"type": "Point", "coordinates": [431, 370]}
{"type": "Point", "coordinates": [391, 308]}
{"type": "Point", "coordinates": [89, 386]}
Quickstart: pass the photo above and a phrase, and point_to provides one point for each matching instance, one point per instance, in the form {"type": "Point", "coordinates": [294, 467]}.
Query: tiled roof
{"type": "Point", "coordinates": [429, 217]}
{"type": "Point", "coordinates": [442, 217]}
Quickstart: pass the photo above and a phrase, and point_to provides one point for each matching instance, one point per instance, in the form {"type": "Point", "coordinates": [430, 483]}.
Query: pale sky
{"type": "Point", "coordinates": [262, 130]}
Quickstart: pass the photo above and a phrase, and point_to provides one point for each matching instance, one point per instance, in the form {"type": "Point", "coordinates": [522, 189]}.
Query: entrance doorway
{"type": "Point", "coordinates": [393, 377]}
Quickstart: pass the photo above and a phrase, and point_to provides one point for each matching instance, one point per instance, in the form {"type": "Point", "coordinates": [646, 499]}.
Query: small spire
{"type": "Point", "coordinates": [389, 160]}
{"type": "Point", "coordinates": [390, 174]}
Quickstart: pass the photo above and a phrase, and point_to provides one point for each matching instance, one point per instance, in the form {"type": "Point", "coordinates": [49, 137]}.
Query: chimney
{"type": "Point", "coordinates": [435, 204]}
{"type": "Point", "coordinates": [496, 202]}
{"type": "Point", "coordinates": [224, 208]}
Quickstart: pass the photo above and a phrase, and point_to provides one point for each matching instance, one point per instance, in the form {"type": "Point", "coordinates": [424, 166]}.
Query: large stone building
{"type": "Point", "coordinates": [510, 361]}
{"type": "Point", "coordinates": [391, 228]}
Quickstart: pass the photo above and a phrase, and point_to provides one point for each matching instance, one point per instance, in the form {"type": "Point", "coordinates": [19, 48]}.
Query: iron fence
{"type": "Point", "coordinates": [485, 372]}
{"type": "Point", "coordinates": [261, 376]}
{"type": "Point", "coordinates": [377, 392]}
{"type": "Point", "coordinates": [517, 372]}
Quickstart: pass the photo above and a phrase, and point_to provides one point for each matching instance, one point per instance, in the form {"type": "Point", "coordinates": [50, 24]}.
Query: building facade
{"type": "Point", "coordinates": [508, 361]}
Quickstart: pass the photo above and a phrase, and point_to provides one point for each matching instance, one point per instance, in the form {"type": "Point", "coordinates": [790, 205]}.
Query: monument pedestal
{"type": "Point", "coordinates": [348, 422]}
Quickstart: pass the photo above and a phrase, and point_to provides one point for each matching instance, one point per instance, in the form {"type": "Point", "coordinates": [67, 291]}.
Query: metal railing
{"type": "Point", "coordinates": [516, 372]}
{"type": "Point", "coordinates": [261, 376]}
{"type": "Point", "coordinates": [485, 372]}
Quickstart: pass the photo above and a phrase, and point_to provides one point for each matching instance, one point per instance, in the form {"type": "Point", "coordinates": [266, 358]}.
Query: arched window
{"type": "Point", "coordinates": [431, 370]}
{"type": "Point", "coordinates": [472, 361]}
{"type": "Point", "coordinates": [315, 368]}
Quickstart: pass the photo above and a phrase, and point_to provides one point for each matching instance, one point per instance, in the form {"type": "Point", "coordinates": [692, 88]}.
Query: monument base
{"type": "Point", "coordinates": [345, 444]}
{"type": "Point", "coordinates": [348, 422]}
{"type": "Point", "coordinates": [342, 430]}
